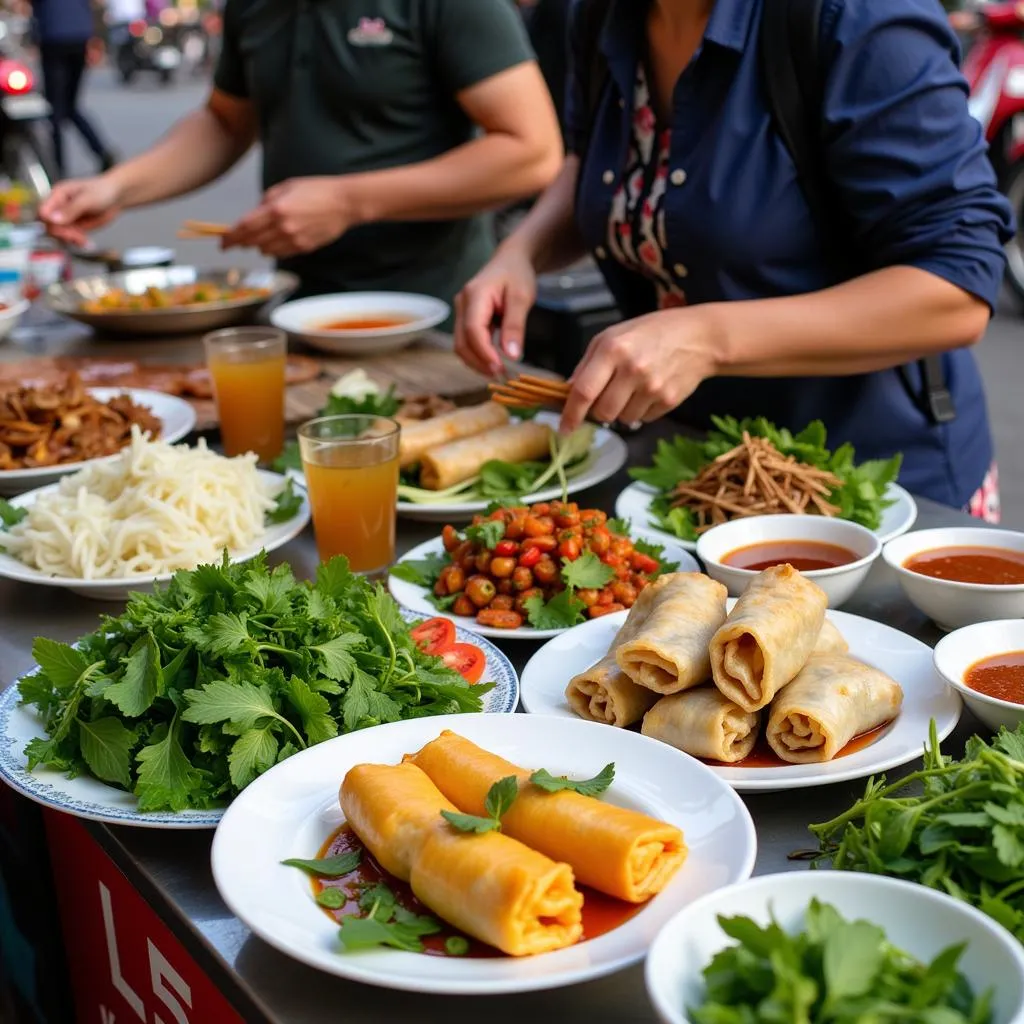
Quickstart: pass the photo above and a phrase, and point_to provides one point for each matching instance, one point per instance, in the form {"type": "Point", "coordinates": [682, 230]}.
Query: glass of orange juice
{"type": "Point", "coordinates": [351, 467]}
{"type": "Point", "coordinates": [247, 366]}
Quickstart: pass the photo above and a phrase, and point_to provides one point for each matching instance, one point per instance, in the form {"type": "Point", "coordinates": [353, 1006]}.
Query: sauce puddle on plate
{"type": "Point", "coordinates": [762, 756]}
{"type": "Point", "coordinates": [365, 323]}
{"type": "Point", "coordinates": [1001, 676]}
{"type": "Point", "coordinates": [601, 913]}
{"type": "Point", "coordinates": [803, 555]}
{"type": "Point", "coordinates": [992, 566]}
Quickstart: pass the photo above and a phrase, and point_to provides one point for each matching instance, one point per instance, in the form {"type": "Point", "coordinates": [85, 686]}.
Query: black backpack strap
{"type": "Point", "coordinates": [793, 70]}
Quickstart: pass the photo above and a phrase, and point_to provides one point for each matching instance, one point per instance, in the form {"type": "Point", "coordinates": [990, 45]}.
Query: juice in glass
{"type": "Point", "coordinates": [247, 367]}
{"type": "Point", "coordinates": [351, 467]}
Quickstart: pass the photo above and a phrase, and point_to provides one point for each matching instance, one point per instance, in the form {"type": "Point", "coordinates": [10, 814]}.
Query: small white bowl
{"type": "Point", "coordinates": [918, 920]}
{"type": "Point", "coordinates": [948, 603]}
{"type": "Point", "coordinates": [10, 316]}
{"type": "Point", "coordinates": [839, 583]}
{"type": "Point", "coordinates": [956, 653]}
{"type": "Point", "coordinates": [305, 318]}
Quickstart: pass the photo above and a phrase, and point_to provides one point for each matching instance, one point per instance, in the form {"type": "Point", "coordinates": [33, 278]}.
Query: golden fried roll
{"type": "Point", "coordinates": [417, 438]}
{"type": "Point", "coordinates": [489, 886]}
{"type": "Point", "coordinates": [604, 693]}
{"type": "Point", "coordinates": [621, 852]}
{"type": "Point", "coordinates": [830, 640]}
{"type": "Point", "coordinates": [703, 723]}
{"type": "Point", "coordinates": [680, 613]}
{"type": "Point", "coordinates": [450, 464]}
{"type": "Point", "coordinates": [833, 699]}
{"type": "Point", "coordinates": [768, 636]}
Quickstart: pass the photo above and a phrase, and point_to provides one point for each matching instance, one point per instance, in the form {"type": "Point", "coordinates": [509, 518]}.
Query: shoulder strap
{"type": "Point", "coordinates": [794, 77]}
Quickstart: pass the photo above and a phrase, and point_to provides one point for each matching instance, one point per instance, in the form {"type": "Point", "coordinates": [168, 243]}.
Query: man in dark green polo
{"type": "Point", "coordinates": [387, 127]}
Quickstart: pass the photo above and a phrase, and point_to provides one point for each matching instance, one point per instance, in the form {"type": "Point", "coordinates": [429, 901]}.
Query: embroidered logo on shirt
{"type": "Point", "coordinates": [371, 32]}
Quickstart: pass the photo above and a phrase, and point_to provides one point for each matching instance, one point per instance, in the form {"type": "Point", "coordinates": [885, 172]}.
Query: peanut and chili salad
{"type": "Point", "coordinates": [549, 566]}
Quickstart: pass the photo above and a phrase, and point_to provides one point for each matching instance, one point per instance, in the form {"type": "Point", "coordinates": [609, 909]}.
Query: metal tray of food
{"type": "Point", "coordinates": [169, 300]}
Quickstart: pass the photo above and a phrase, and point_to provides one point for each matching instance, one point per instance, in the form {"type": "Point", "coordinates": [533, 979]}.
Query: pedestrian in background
{"type": "Point", "coordinates": [63, 29]}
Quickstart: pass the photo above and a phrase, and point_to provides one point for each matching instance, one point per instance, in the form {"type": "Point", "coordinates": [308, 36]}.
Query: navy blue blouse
{"type": "Point", "coordinates": [906, 160]}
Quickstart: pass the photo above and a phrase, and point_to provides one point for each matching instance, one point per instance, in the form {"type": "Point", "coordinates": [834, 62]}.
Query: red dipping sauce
{"type": "Point", "coordinates": [991, 566]}
{"type": "Point", "coordinates": [1001, 676]}
{"type": "Point", "coordinates": [803, 555]}
{"type": "Point", "coordinates": [366, 323]}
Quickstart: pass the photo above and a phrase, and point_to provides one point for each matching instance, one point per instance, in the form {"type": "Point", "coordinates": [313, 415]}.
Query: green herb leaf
{"type": "Point", "coordinates": [561, 612]}
{"type": "Point", "coordinates": [166, 777]}
{"type": "Point", "coordinates": [135, 693]}
{"type": "Point", "coordinates": [332, 898]}
{"type": "Point", "coordinates": [853, 957]}
{"type": "Point", "coordinates": [367, 932]}
{"type": "Point", "coordinates": [10, 515]}
{"type": "Point", "coordinates": [221, 701]}
{"type": "Point", "coordinates": [378, 901]}
{"type": "Point", "coordinates": [252, 754]}
{"type": "Point", "coordinates": [335, 655]}
{"type": "Point", "coordinates": [286, 505]}
{"type": "Point", "coordinates": [421, 571]}
{"type": "Point", "coordinates": [290, 458]}
{"type": "Point", "coordinates": [586, 787]}
{"type": "Point", "coordinates": [501, 796]}
{"type": "Point", "coordinates": [471, 822]}
{"type": "Point", "coordinates": [327, 867]}
{"type": "Point", "coordinates": [107, 748]}
{"type": "Point", "coordinates": [314, 709]}
{"type": "Point", "coordinates": [487, 534]}
{"type": "Point", "coordinates": [61, 663]}
{"type": "Point", "coordinates": [587, 572]}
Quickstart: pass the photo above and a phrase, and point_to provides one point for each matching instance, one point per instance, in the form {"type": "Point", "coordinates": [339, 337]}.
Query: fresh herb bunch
{"type": "Point", "coordinates": [198, 688]}
{"type": "Point", "coordinates": [963, 833]}
{"type": "Point", "coordinates": [861, 499]}
{"type": "Point", "coordinates": [834, 972]}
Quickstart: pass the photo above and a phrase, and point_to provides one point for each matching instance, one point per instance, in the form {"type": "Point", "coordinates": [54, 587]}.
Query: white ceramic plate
{"type": "Point", "coordinates": [275, 536]}
{"type": "Point", "coordinates": [908, 661]}
{"type": "Point", "coordinates": [304, 319]}
{"type": "Point", "coordinates": [415, 597]}
{"type": "Point", "coordinates": [635, 503]}
{"type": "Point", "coordinates": [291, 811]}
{"type": "Point", "coordinates": [86, 797]}
{"type": "Point", "coordinates": [10, 316]}
{"type": "Point", "coordinates": [177, 418]}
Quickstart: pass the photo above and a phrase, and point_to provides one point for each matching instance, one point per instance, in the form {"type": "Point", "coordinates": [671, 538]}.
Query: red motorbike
{"type": "Point", "coordinates": [994, 68]}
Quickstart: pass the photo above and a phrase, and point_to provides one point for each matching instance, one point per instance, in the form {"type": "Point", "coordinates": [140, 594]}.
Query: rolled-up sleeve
{"type": "Point", "coordinates": [909, 162]}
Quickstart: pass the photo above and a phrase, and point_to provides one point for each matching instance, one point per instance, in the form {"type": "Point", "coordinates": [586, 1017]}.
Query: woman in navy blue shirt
{"type": "Point", "coordinates": [688, 198]}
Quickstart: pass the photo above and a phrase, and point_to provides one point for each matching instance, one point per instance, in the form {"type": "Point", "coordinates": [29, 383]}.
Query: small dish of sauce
{"type": "Point", "coordinates": [803, 555]}
{"type": "Point", "coordinates": [1000, 676]}
{"type": "Point", "coordinates": [990, 566]}
{"type": "Point", "coordinates": [365, 323]}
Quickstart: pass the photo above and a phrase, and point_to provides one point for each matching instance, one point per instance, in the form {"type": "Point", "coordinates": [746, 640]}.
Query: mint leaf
{"type": "Point", "coordinates": [328, 867]}
{"type": "Point", "coordinates": [61, 663]}
{"type": "Point", "coordinates": [421, 571]}
{"type": "Point", "coordinates": [106, 746]}
{"type": "Point", "coordinates": [335, 656]}
{"type": "Point", "coordinates": [287, 504]}
{"type": "Point", "coordinates": [166, 778]}
{"type": "Point", "coordinates": [471, 822]}
{"type": "Point", "coordinates": [501, 796]}
{"type": "Point", "coordinates": [139, 684]}
{"type": "Point", "coordinates": [587, 572]}
{"type": "Point", "coordinates": [585, 787]}
{"type": "Point", "coordinates": [367, 932]}
{"type": "Point", "coordinates": [487, 534]}
{"type": "Point", "coordinates": [252, 754]}
{"type": "Point", "coordinates": [561, 612]}
{"type": "Point", "coordinates": [10, 515]}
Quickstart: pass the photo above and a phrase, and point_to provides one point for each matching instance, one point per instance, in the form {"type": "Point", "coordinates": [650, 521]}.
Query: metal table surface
{"type": "Point", "coordinates": [171, 869]}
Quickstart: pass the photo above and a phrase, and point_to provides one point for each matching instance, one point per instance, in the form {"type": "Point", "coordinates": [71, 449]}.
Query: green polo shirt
{"type": "Point", "coordinates": [343, 86]}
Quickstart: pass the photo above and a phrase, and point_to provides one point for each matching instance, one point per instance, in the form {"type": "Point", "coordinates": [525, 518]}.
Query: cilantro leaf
{"type": "Point", "coordinates": [334, 578]}
{"type": "Point", "coordinates": [314, 709]}
{"type": "Point", "coordinates": [386, 404]}
{"type": "Point", "coordinates": [587, 572]}
{"type": "Point", "coordinates": [378, 901]}
{"type": "Point", "coordinates": [586, 787]}
{"type": "Point", "coordinates": [561, 612]}
{"type": "Point", "coordinates": [224, 634]}
{"type": "Point", "coordinates": [61, 663]}
{"type": "Point", "coordinates": [287, 504]}
{"type": "Point", "coordinates": [487, 534]}
{"type": "Point", "coordinates": [139, 685]}
{"type": "Point", "coordinates": [272, 591]}
{"type": "Point", "coordinates": [328, 867]}
{"type": "Point", "coordinates": [222, 701]}
{"type": "Point", "coordinates": [252, 754]}
{"type": "Point", "coordinates": [10, 515]}
{"type": "Point", "coordinates": [364, 705]}
{"type": "Point", "coordinates": [421, 571]}
{"type": "Point", "coordinates": [335, 655]}
{"type": "Point", "coordinates": [167, 779]}
{"type": "Point", "coordinates": [290, 458]}
{"type": "Point", "coordinates": [471, 822]}
{"type": "Point", "coordinates": [106, 746]}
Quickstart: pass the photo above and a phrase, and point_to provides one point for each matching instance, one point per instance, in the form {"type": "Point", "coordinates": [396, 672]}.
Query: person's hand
{"type": "Point", "coordinates": [74, 208]}
{"type": "Point", "coordinates": [298, 215]}
{"type": "Point", "coordinates": [505, 288]}
{"type": "Point", "coordinates": [639, 370]}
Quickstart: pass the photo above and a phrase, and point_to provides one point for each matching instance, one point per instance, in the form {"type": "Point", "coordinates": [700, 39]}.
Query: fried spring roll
{"type": "Point", "coordinates": [489, 886]}
{"type": "Point", "coordinates": [618, 851]}
{"type": "Point", "coordinates": [669, 652]}
{"type": "Point", "coordinates": [417, 438]}
{"type": "Point", "coordinates": [768, 636]}
{"type": "Point", "coordinates": [830, 640]}
{"type": "Point", "coordinates": [833, 699]}
{"type": "Point", "coordinates": [452, 463]}
{"type": "Point", "coordinates": [703, 723]}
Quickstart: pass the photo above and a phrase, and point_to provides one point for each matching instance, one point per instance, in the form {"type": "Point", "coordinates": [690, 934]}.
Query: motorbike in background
{"type": "Point", "coordinates": [994, 68]}
{"type": "Point", "coordinates": [145, 45]}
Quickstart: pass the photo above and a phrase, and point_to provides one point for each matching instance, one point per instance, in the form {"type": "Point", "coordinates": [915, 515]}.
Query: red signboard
{"type": "Point", "coordinates": [125, 964]}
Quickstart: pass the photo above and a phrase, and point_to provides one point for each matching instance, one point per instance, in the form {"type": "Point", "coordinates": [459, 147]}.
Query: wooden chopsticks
{"type": "Point", "coordinates": [203, 229]}
{"type": "Point", "coordinates": [526, 390]}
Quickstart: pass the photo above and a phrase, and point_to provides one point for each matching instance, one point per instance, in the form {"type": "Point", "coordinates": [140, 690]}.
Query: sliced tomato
{"type": "Point", "coordinates": [434, 636]}
{"type": "Point", "coordinates": [467, 660]}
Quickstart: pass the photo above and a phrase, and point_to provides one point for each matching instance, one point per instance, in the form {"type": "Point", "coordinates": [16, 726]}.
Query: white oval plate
{"type": "Point", "coordinates": [908, 661]}
{"type": "Point", "coordinates": [275, 536]}
{"type": "Point", "coordinates": [635, 503]}
{"type": "Point", "coordinates": [413, 596]}
{"type": "Point", "coordinates": [304, 318]}
{"type": "Point", "coordinates": [86, 797]}
{"type": "Point", "coordinates": [290, 812]}
{"type": "Point", "coordinates": [607, 456]}
{"type": "Point", "coordinates": [177, 418]}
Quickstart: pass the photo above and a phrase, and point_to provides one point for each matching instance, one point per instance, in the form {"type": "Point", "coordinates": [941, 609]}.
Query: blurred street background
{"type": "Point", "coordinates": [133, 116]}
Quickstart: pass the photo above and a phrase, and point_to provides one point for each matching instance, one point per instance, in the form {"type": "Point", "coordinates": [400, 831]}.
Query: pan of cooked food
{"type": "Point", "coordinates": [168, 300]}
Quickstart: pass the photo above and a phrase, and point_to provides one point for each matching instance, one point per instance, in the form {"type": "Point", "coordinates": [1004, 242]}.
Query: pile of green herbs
{"type": "Point", "coordinates": [955, 825]}
{"type": "Point", "coordinates": [861, 498]}
{"type": "Point", "coordinates": [199, 687]}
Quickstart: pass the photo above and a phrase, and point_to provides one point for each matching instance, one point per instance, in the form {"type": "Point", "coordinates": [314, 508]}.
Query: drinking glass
{"type": "Point", "coordinates": [247, 367]}
{"type": "Point", "coordinates": [351, 467]}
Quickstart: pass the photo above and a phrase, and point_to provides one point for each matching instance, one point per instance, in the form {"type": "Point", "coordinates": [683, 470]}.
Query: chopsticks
{"type": "Point", "coordinates": [203, 229]}
{"type": "Point", "coordinates": [526, 390]}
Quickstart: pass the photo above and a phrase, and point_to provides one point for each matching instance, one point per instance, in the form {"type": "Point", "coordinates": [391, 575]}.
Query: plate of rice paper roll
{"type": "Point", "coordinates": [450, 856]}
{"type": "Point", "coordinates": [771, 690]}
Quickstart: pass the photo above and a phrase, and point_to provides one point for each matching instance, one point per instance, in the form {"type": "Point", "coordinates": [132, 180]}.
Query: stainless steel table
{"type": "Point", "coordinates": [171, 869]}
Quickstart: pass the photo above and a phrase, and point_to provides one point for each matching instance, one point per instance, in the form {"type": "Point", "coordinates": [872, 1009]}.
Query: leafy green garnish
{"type": "Point", "coordinates": [585, 787]}
{"type": "Point", "coordinates": [500, 797]}
{"type": "Point", "coordinates": [327, 867]}
{"type": "Point", "coordinates": [199, 687]}
{"type": "Point", "coordinates": [955, 826]}
{"type": "Point", "coordinates": [861, 498]}
{"type": "Point", "coordinates": [10, 515]}
{"type": "Point", "coordinates": [561, 612]}
{"type": "Point", "coordinates": [290, 458]}
{"type": "Point", "coordinates": [587, 572]}
{"type": "Point", "coordinates": [386, 923]}
{"type": "Point", "coordinates": [421, 571]}
{"type": "Point", "coordinates": [487, 534]}
{"type": "Point", "coordinates": [833, 972]}
{"type": "Point", "coordinates": [288, 503]}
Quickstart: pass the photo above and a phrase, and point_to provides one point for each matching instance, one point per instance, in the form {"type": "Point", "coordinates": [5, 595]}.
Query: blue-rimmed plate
{"type": "Point", "coordinates": [86, 797]}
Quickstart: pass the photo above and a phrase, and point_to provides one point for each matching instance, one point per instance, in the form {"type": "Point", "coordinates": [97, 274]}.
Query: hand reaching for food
{"type": "Point", "coordinates": [75, 208]}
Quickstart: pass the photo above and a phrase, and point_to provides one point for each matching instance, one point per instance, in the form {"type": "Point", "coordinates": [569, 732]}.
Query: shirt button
{"type": "Point", "coordinates": [608, 177]}
{"type": "Point", "coordinates": [600, 252]}
{"type": "Point", "coordinates": [678, 176]}
{"type": "Point", "coordinates": [622, 103]}
{"type": "Point", "coordinates": [680, 270]}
